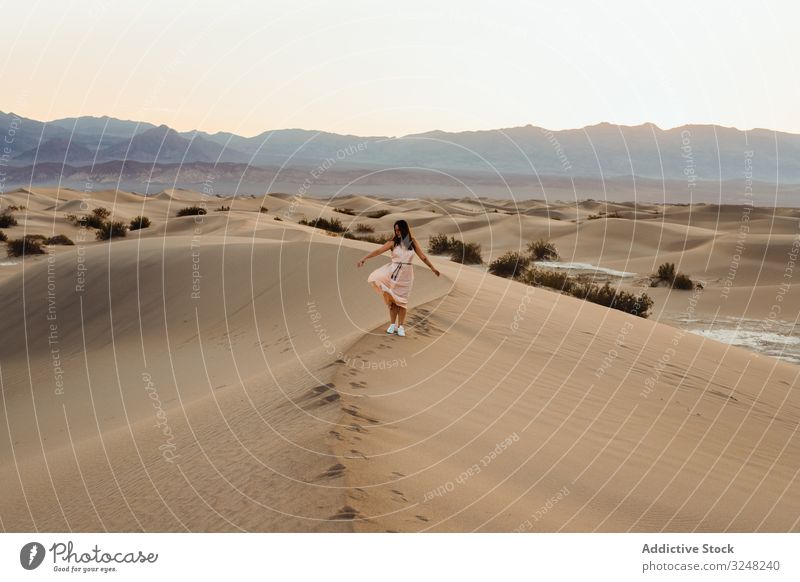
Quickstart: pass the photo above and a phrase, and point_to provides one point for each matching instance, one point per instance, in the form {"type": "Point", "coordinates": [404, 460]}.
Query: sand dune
{"type": "Point", "coordinates": [709, 448]}
{"type": "Point", "coordinates": [231, 372]}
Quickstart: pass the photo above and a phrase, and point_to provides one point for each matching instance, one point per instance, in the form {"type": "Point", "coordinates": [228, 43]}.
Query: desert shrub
{"type": "Point", "coordinates": [378, 214]}
{"type": "Point", "coordinates": [19, 247]}
{"type": "Point", "coordinates": [332, 225]}
{"type": "Point", "coordinates": [441, 244]}
{"type": "Point", "coordinates": [594, 216]}
{"type": "Point", "coordinates": [681, 281]}
{"type": "Point", "coordinates": [594, 293]}
{"type": "Point", "coordinates": [192, 211]}
{"type": "Point", "coordinates": [510, 265]}
{"type": "Point", "coordinates": [548, 278]}
{"type": "Point", "coordinates": [666, 272]}
{"type": "Point", "coordinates": [542, 250]}
{"type": "Point", "coordinates": [466, 253]}
{"type": "Point", "coordinates": [638, 305]}
{"type": "Point", "coordinates": [278, 218]}
{"type": "Point", "coordinates": [348, 211]}
{"type": "Point", "coordinates": [14, 208]}
{"type": "Point", "coordinates": [378, 240]}
{"type": "Point", "coordinates": [335, 225]}
{"type": "Point", "coordinates": [111, 230]}
{"type": "Point", "coordinates": [59, 239]}
{"type": "Point", "coordinates": [362, 227]}
{"type": "Point", "coordinates": [263, 210]}
{"type": "Point", "coordinates": [101, 212]}
{"type": "Point", "coordinates": [7, 220]}
{"type": "Point", "coordinates": [90, 221]}
{"type": "Point", "coordinates": [71, 218]}
{"type": "Point", "coordinates": [3, 236]}
{"type": "Point", "coordinates": [223, 209]}
{"type": "Point", "coordinates": [614, 214]}
{"type": "Point", "coordinates": [139, 222]}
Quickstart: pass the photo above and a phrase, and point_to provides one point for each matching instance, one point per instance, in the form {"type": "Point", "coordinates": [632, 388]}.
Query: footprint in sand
{"type": "Point", "coordinates": [323, 388]}
{"type": "Point", "coordinates": [323, 394]}
{"type": "Point", "coordinates": [357, 494]}
{"type": "Point", "coordinates": [333, 471]}
{"type": "Point", "coordinates": [346, 512]}
{"type": "Point", "coordinates": [399, 496]}
{"type": "Point", "coordinates": [352, 410]}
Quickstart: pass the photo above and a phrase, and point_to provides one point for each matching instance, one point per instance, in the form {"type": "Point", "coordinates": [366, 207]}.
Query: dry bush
{"type": "Point", "coordinates": [19, 247]}
{"type": "Point", "coordinates": [59, 239]}
{"type": "Point", "coordinates": [191, 211]}
{"type": "Point", "coordinates": [466, 253]}
{"type": "Point", "coordinates": [139, 222]}
{"type": "Point", "coordinates": [511, 265]}
{"type": "Point", "coordinates": [111, 229]}
{"type": "Point", "coordinates": [542, 250]}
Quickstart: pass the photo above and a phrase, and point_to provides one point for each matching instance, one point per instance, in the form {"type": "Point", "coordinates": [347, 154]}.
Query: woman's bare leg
{"type": "Point", "coordinates": [389, 300]}
{"type": "Point", "coordinates": [401, 315]}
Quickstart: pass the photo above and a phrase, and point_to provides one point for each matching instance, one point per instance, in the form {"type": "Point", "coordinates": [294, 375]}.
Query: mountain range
{"type": "Point", "coordinates": [103, 147]}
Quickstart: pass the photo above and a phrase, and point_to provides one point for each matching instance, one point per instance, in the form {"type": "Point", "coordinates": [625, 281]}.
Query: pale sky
{"type": "Point", "coordinates": [394, 68]}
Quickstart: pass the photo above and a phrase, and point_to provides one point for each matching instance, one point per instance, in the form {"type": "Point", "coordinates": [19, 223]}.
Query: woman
{"type": "Point", "coordinates": [393, 280]}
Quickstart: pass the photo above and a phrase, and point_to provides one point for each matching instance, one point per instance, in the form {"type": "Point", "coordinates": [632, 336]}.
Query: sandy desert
{"type": "Point", "coordinates": [231, 372]}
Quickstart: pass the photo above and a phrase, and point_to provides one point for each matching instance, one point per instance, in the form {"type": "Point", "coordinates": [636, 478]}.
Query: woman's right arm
{"type": "Point", "coordinates": [375, 253]}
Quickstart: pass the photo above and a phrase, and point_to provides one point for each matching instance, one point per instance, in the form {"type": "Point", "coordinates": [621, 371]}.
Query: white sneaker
{"type": "Point", "coordinates": [401, 331]}
{"type": "Point", "coordinates": [391, 329]}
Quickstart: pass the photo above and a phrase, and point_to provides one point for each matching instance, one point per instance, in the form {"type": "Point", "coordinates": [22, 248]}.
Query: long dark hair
{"type": "Point", "coordinates": [405, 234]}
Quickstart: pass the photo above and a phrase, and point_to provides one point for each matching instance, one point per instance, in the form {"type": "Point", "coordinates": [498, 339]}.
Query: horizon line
{"type": "Point", "coordinates": [500, 129]}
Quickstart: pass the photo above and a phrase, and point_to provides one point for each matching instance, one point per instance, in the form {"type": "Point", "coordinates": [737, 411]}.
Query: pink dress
{"type": "Point", "coordinates": [395, 278]}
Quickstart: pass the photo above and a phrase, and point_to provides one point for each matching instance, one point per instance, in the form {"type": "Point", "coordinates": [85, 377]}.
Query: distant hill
{"type": "Point", "coordinates": [683, 156]}
{"type": "Point", "coordinates": [164, 145]}
{"type": "Point", "coordinates": [58, 149]}
{"type": "Point", "coordinates": [105, 125]}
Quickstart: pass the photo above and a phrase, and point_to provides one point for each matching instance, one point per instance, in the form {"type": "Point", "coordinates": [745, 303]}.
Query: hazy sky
{"type": "Point", "coordinates": [393, 68]}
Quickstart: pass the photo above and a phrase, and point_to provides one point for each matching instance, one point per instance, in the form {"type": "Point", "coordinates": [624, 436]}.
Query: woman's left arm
{"type": "Point", "coordinates": [423, 257]}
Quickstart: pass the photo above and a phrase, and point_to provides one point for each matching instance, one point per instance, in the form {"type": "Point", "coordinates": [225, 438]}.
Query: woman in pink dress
{"type": "Point", "coordinates": [393, 280]}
